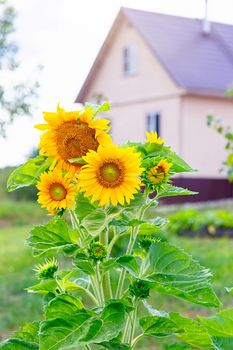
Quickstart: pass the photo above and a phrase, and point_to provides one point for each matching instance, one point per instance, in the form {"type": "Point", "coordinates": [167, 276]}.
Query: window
{"type": "Point", "coordinates": [130, 60]}
{"type": "Point", "coordinates": [153, 122]}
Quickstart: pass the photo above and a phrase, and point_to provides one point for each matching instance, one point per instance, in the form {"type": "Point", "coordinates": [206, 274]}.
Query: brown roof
{"type": "Point", "coordinates": [196, 61]}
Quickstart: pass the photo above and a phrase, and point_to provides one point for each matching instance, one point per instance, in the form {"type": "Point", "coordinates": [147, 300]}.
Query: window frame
{"type": "Point", "coordinates": [130, 60]}
{"type": "Point", "coordinates": [157, 122]}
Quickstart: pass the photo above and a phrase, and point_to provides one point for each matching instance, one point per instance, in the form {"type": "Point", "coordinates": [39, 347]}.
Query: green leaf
{"type": "Point", "coordinates": [150, 229]}
{"type": "Point", "coordinates": [220, 325]}
{"type": "Point", "coordinates": [158, 326]}
{"type": "Point", "coordinates": [29, 332]}
{"type": "Point", "coordinates": [95, 222]}
{"type": "Point", "coordinates": [43, 287]}
{"type": "Point", "coordinates": [178, 164]}
{"type": "Point", "coordinates": [104, 107]}
{"type": "Point", "coordinates": [51, 238]}
{"type": "Point", "coordinates": [115, 345]}
{"type": "Point", "coordinates": [187, 330]}
{"type": "Point", "coordinates": [223, 343]}
{"type": "Point", "coordinates": [129, 263]}
{"type": "Point", "coordinates": [83, 207]}
{"type": "Point", "coordinates": [113, 317]}
{"type": "Point", "coordinates": [170, 191]}
{"type": "Point", "coordinates": [74, 327]}
{"type": "Point", "coordinates": [82, 262]}
{"type": "Point", "coordinates": [109, 264]}
{"type": "Point", "coordinates": [63, 305]}
{"type": "Point", "coordinates": [18, 344]}
{"type": "Point", "coordinates": [174, 272]}
{"type": "Point", "coordinates": [178, 346]}
{"type": "Point", "coordinates": [28, 174]}
{"type": "Point", "coordinates": [126, 221]}
{"type": "Point", "coordinates": [26, 338]}
{"type": "Point", "coordinates": [194, 333]}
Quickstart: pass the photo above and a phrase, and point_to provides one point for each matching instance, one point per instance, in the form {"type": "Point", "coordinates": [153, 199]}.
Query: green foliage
{"type": "Point", "coordinates": [170, 191]}
{"type": "Point", "coordinates": [52, 238]}
{"type": "Point", "coordinates": [227, 133]}
{"type": "Point", "coordinates": [67, 325]}
{"type": "Point", "coordinates": [17, 99]}
{"type": "Point", "coordinates": [28, 174]}
{"type": "Point", "coordinates": [176, 273]}
{"type": "Point", "coordinates": [173, 324]}
{"type": "Point", "coordinates": [199, 222]}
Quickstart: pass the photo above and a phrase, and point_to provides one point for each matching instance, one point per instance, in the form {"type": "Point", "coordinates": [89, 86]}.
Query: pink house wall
{"type": "Point", "coordinates": [200, 145]}
{"type": "Point", "coordinates": [183, 117]}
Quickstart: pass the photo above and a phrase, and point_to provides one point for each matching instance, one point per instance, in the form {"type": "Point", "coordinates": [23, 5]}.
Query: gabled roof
{"type": "Point", "coordinates": [197, 62]}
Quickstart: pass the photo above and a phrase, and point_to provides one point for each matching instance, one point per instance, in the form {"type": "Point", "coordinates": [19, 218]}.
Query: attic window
{"type": "Point", "coordinates": [130, 60]}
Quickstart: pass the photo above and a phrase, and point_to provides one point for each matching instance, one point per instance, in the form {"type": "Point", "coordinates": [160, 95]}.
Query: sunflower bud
{"type": "Point", "coordinates": [146, 242]}
{"type": "Point", "coordinates": [139, 289]}
{"type": "Point", "coordinates": [47, 269]}
{"type": "Point", "coordinates": [97, 251]}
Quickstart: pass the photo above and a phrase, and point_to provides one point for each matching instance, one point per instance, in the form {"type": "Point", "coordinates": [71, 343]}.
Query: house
{"type": "Point", "coordinates": [167, 73]}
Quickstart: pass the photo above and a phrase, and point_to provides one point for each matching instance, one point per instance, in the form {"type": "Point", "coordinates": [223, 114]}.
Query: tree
{"type": "Point", "coordinates": [227, 133]}
{"type": "Point", "coordinates": [15, 100]}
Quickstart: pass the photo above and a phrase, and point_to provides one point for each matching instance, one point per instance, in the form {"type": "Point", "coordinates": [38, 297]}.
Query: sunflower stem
{"type": "Point", "coordinates": [133, 323]}
{"type": "Point", "coordinates": [100, 286]}
{"type": "Point", "coordinates": [92, 297]}
{"type": "Point", "coordinates": [76, 225]}
{"type": "Point", "coordinates": [106, 276]}
{"type": "Point", "coordinates": [94, 284]}
{"type": "Point", "coordinates": [136, 340]}
{"type": "Point", "coordinates": [132, 241]}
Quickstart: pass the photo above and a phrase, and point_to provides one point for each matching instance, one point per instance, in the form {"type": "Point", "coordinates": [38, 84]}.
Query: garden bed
{"type": "Point", "coordinates": [196, 223]}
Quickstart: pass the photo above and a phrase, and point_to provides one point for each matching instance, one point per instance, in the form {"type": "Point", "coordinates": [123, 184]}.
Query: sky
{"type": "Point", "coordinates": [65, 36]}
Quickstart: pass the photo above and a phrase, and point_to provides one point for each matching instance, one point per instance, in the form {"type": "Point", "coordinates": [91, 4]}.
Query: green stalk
{"type": "Point", "coordinates": [136, 340]}
{"type": "Point", "coordinates": [95, 288]}
{"type": "Point", "coordinates": [106, 277]}
{"type": "Point", "coordinates": [126, 330]}
{"type": "Point", "coordinates": [133, 324]}
{"type": "Point", "coordinates": [97, 297]}
{"type": "Point", "coordinates": [123, 272]}
{"type": "Point", "coordinates": [132, 241]}
{"type": "Point", "coordinates": [88, 347]}
{"type": "Point", "coordinates": [92, 297]}
{"type": "Point", "coordinates": [100, 286]}
{"type": "Point", "coordinates": [75, 224]}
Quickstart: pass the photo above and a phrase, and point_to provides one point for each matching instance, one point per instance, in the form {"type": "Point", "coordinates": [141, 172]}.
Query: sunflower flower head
{"type": "Point", "coordinates": [152, 137]}
{"type": "Point", "coordinates": [156, 173]}
{"type": "Point", "coordinates": [69, 135]}
{"type": "Point", "coordinates": [47, 269]}
{"type": "Point", "coordinates": [139, 289]}
{"type": "Point", "coordinates": [111, 175]}
{"type": "Point", "coordinates": [97, 251]}
{"type": "Point", "coordinates": [56, 192]}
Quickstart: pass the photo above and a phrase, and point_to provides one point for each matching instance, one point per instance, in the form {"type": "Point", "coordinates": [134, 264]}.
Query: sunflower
{"type": "Point", "coordinates": [156, 173]}
{"type": "Point", "coordinates": [47, 269]}
{"type": "Point", "coordinates": [56, 192]}
{"type": "Point", "coordinates": [70, 135]}
{"type": "Point", "coordinates": [111, 175]}
{"type": "Point", "coordinates": [152, 137]}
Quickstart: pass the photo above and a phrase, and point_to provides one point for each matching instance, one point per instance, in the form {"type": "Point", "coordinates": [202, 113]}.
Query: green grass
{"type": "Point", "coordinates": [16, 307]}
{"type": "Point", "coordinates": [14, 213]}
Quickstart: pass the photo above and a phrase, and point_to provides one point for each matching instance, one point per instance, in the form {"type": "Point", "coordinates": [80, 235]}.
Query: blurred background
{"type": "Point", "coordinates": [165, 66]}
